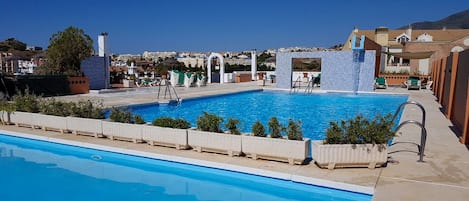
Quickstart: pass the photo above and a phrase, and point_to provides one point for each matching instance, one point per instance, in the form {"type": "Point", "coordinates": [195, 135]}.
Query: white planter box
{"type": "Point", "coordinates": [23, 119]}
{"type": "Point", "coordinates": [123, 131]}
{"type": "Point", "coordinates": [5, 117]}
{"type": "Point", "coordinates": [215, 142]}
{"type": "Point", "coordinates": [85, 126]}
{"type": "Point", "coordinates": [348, 155]}
{"type": "Point", "coordinates": [128, 83]}
{"type": "Point", "coordinates": [291, 151]}
{"type": "Point", "coordinates": [171, 137]}
{"type": "Point", "coordinates": [50, 122]}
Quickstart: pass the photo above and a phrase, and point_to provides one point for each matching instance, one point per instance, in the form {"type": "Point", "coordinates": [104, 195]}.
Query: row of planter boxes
{"type": "Point", "coordinates": [291, 151]}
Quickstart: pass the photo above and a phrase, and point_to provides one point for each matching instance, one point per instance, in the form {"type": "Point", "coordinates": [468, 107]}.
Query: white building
{"type": "Point", "coordinates": [156, 55]}
{"type": "Point", "coordinates": [26, 67]}
{"type": "Point", "coordinates": [192, 61]}
{"type": "Point", "coordinates": [126, 57]}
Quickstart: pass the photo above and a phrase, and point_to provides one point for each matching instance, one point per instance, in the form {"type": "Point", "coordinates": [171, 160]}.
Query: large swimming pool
{"type": "Point", "coordinates": [315, 111]}
{"type": "Point", "coordinates": [39, 170]}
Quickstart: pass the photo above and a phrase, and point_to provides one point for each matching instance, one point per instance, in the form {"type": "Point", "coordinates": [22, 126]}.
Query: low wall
{"type": "Point", "coordinates": [452, 90]}
{"type": "Point", "coordinates": [79, 85]}
{"type": "Point", "coordinates": [243, 78]}
{"type": "Point", "coordinates": [397, 80]}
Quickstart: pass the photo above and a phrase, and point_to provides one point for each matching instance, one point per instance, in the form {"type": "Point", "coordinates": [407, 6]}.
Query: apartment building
{"type": "Point", "coordinates": [411, 50]}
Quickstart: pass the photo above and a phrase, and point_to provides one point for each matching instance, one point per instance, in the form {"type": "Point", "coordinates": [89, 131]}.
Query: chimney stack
{"type": "Point", "coordinates": [102, 45]}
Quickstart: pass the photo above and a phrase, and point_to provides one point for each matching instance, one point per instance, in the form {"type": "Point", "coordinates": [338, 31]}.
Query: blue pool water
{"type": "Point", "coordinates": [315, 111]}
{"type": "Point", "coordinates": [38, 170]}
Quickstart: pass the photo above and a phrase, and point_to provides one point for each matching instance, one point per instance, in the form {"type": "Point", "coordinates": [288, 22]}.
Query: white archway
{"type": "Point", "coordinates": [209, 67]}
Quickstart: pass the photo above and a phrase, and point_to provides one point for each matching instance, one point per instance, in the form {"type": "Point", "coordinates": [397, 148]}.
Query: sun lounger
{"type": "Point", "coordinates": [427, 85]}
{"type": "Point", "coordinates": [317, 81]}
{"type": "Point", "coordinates": [413, 83]}
{"type": "Point", "coordinates": [381, 83]}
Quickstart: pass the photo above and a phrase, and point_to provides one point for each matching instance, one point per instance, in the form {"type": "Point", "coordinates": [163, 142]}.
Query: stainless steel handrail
{"type": "Point", "coordinates": [423, 130]}
{"type": "Point", "coordinates": [167, 90]}
{"type": "Point", "coordinates": [423, 136]}
{"type": "Point", "coordinates": [298, 80]}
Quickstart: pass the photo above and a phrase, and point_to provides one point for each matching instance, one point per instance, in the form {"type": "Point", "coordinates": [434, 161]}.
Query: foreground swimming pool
{"type": "Point", "coordinates": [314, 110]}
{"type": "Point", "coordinates": [39, 170]}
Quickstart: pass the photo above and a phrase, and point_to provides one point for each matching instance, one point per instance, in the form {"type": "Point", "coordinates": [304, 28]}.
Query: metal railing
{"type": "Point", "coordinates": [167, 90]}
{"type": "Point", "coordinates": [423, 130]}
{"type": "Point", "coordinates": [295, 88]}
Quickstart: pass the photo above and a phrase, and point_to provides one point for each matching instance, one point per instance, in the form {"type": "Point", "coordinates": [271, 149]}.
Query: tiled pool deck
{"type": "Point", "coordinates": [444, 175]}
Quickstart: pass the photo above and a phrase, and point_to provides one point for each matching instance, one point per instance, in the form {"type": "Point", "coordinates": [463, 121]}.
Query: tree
{"type": "Point", "coordinates": [66, 51]}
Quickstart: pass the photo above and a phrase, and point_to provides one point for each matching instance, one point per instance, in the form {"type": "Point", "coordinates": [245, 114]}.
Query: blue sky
{"type": "Point", "coordinates": [209, 25]}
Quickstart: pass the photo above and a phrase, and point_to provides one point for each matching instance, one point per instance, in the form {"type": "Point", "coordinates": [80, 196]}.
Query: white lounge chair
{"type": "Point", "coordinates": [428, 85]}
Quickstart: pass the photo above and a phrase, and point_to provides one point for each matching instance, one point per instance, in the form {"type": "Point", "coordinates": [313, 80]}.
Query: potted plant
{"type": "Point", "coordinates": [122, 126]}
{"type": "Point", "coordinates": [26, 108]}
{"type": "Point", "coordinates": [53, 114]}
{"type": "Point", "coordinates": [258, 129]}
{"type": "Point", "coordinates": [86, 118]}
{"type": "Point", "coordinates": [129, 81]}
{"type": "Point", "coordinates": [166, 131]}
{"type": "Point", "coordinates": [355, 142]}
{"type": "Point", "coordinates": [209, 137]}
{"type": "Point", "coordinates": [6, 108]}
{"type": "Point", "coordinates": [232, 126]}
{"type": "Point", "coordinates": [292, 150]}
{"type": "Point", "coordinates": [275, 128]}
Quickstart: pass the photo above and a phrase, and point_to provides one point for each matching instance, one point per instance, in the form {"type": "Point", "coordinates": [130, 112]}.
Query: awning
{"type": "Point", "coordinates": [412, 55]}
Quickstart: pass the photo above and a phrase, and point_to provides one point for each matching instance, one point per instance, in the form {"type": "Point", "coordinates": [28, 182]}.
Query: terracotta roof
{"type": "Point", "coordinates": [438, 35]}
{"type": "Point", "coordinates": [124, 69]}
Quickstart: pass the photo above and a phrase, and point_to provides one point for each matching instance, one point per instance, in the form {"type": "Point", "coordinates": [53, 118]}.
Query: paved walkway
{"type": "Point", "coordinates": [443, 176]}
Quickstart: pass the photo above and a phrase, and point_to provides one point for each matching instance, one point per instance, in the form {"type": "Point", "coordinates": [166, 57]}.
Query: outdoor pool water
{"type": "Point", "coordinates": [315, 111]}
{"type": "Point", "coordinates": [39, 170]}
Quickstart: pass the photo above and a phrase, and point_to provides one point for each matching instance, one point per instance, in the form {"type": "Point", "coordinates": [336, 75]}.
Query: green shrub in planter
{"type": "Point", "coordinates": [163, 122]}
{"type": "Point", "coordinates": [360, 130]}
{"type": "Point", "coordinates": [209, 122]}
{"type": "Point", "coordinates": [121, 115]}
{"type": "Point", "coordinates": [258, 129]}
{"type": "Point", "coordinates": [51, 106]}
{"type": "Point", "coordinates": [231, 125]}
{"type": "Point", "coordinates": [88, 109]}
{"type": "Point", "coordinates": [275, 128]}
{"type": "Point", "coordinates": [171, 123]}
{"type": "Point", "coordinates": [26, 102]}
{"type": "Point", "coordinates": [138, 119]}
{"type": "Point", "coordinates": [181, 123]}
{"type": "Point", "coordinates": [294, 130]}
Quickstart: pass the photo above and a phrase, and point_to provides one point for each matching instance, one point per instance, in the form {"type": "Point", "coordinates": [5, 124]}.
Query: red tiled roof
{"type": "Point", "coordinates": [438, 35]}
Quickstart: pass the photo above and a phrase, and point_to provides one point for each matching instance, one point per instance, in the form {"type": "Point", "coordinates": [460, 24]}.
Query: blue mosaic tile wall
{"type": "Point", "coordinates": [336, 69]}
{"type": "Point", "coordinates": [95, 69]}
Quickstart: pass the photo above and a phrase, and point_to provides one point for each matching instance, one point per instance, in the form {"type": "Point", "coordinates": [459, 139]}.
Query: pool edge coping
{"type": "Point", "coordinates": [209, 164]}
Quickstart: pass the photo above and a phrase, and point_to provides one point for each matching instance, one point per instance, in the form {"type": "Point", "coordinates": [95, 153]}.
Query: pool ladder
{"type": "Point", "coordinates": [296, 88]}
{"type": "Point", "coordinates": [311, 83]}
{"type": "Point", "coordinates": [167, 89]}
{"type": "Point", "coordinates": [423, 131]}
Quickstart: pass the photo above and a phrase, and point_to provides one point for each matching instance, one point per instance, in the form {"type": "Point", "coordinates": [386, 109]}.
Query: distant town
{"type": "Point", "coordinates": [19, 59]}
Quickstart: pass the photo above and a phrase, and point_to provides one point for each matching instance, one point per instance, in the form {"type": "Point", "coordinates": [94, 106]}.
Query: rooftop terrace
{"type": "Point", "coordinates": [443, 176]}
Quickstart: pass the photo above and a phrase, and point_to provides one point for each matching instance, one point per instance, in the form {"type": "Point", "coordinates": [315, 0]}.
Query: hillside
{"type": "Point", "coordinates": [455, 21]}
